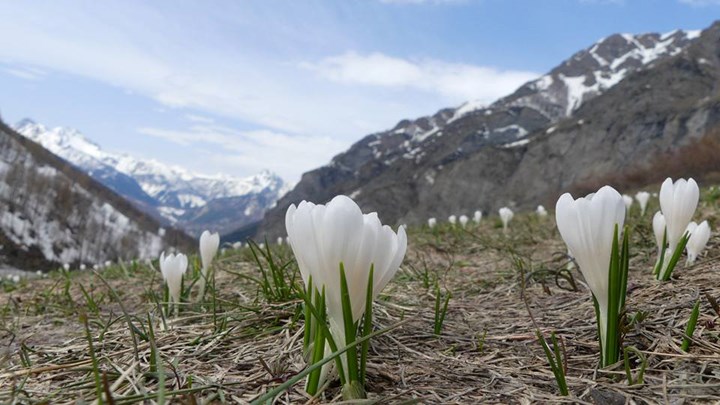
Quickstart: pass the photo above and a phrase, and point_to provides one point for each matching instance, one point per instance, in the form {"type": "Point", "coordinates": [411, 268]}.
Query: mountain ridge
{"type": "Point", "coordinates": [395, 172]}
{"type": "Point", "coordinates": [169, 193]}
{"type": "Point", "coordinates": [52, 213]}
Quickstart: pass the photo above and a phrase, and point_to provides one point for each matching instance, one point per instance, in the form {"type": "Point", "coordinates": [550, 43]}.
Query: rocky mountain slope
{"type": "Point", "coordinates": [611, 106]}
{"type": "Point", "coordinates": [187, 200]}
{"type": "Point", "coordinates": [51, 213]}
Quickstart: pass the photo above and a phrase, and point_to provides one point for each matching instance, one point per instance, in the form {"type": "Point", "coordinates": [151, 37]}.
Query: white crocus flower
{"type": "Point", "coordinates": [642, 198]}
{"type": "Point", "coordinates": [172, 268]}
{"type": "Point", "coordinates": [628, 201]}
{"type": "Point", "coordinates": [323, 236]}
{"type": "Point", "coordinates": [587, 226]}
{"type": "Point", "coordinates": [209, 244]}
{"type": "Point", "coordinates": [477, 217]}
{"type": "Point", "coordinates": [432, 222]}
{"type": "Point", "coordinates": [463, 220]}
{"type": "Point", "coordinates": [678, 202]}
{"type": "Point", "coordinates": [658, 225]}
{"type": "Point", "coordinates": [452, 219]}
{"type": "Point", "coordinates": [506, 215]}
{"type": "Point", "coordinates": [280, 240]}
{"type": "Point", "coordinates": [541, 211]}
{"type": "Point", "coordinates": [699, 237]}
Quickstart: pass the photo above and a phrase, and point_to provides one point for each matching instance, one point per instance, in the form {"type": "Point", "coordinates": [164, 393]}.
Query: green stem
{"type": "Point", "coordinates": [349, 326]}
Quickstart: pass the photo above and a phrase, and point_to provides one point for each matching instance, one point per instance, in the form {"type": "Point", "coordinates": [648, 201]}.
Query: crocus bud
{"type": "Point", "coordinates": [642, 198]}
{"type": "Point", "coordinates": [280, 240]}
{"type": "Point", "coordinates": [628, 201]}
{"type": "Point", "coordinates": [463, 220]}
{"type": "Point", "coordinates": [209, 244]}
{"type": "Point", "coordinates": [699, 237]}
{"type": "Point", "coordinates": [432, 222]}
{"type": "Point", "coordinates": [172, 268]}
{"type": "Point", "coordinates": [541, 211]}
{"type": "Point", "coordinates": [506, 215]}
{"type": "Point", "coordinates": [477, 217]}
{"type": "Point", "coordinates": [658, 225]}
{"type": "Point", "coordinates": [678, 202]}
{"type": "Point", "coordinates": [452, 219]}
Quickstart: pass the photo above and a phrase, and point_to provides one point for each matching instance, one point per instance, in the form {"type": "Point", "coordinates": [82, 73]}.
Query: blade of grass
{"type": "Point", "coordinates": [690, 328]}
{"type": "Point", "coordinates": [350, 326]}
{"type": "Point", "coordinates": [367, 325]}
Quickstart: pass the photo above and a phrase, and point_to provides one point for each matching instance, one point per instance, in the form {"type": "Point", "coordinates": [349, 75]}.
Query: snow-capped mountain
{"type": "Point", "coordinates": [177, 195]}
{"type": "Point", "coordinates": [551, 97]}
{"type": "Point", "coordinates": [464, 158]}
{"type": "Point", "coordinates": [52, 213]}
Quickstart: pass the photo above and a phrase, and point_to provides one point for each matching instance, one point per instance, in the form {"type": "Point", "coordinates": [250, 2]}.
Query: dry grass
{"type": "Point", "coordinates": [242, 346]}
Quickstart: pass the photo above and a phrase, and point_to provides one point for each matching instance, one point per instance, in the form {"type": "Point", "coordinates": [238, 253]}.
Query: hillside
{"type": "Point", "coordinates": [614, 105]}
{"type": "Point", "coordinates": [173, 195]}
{"type": "Point", "coordinates": [243, 341]}
{"type": "Point", "coordinates": [53, 213]}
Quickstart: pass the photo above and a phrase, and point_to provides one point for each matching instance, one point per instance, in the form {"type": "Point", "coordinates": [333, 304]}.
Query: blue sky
{"type": "Point", "coordinates": [239, 86]}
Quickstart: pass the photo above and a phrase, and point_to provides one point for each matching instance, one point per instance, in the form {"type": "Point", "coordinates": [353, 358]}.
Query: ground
{"type": "Point", "coordinates": [243, 341]}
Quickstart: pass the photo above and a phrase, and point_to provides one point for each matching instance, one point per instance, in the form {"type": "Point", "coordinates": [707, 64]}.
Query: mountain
{"type": "Point", "coordinates": [189, 201]}
{"type": "Point", "coordinates": [51, 213]}
{"type": "Point", "coordinates": [612, 106]}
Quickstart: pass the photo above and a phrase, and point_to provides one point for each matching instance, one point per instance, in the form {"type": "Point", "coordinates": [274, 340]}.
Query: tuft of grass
{"type": "Point", "coordinates": [441, 307]}
{"type": "Point", "coordinates": [277, 280]}
{"type": "Point", "coordinates": [643, 365]}
{"type": "Point", "coordinates": [556, 361]}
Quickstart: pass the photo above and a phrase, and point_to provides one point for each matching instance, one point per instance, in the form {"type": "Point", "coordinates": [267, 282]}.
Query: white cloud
{"type": "Point", "coordinates": [454, 81]}
{"type": "Point", "coordinates": [253, 151]}
{"type": "Point", "coordinates": [23, 72]}
{"type": "Point", "coordinates": [198, 72]}
{"type": "Point", "coordinates": [701, 3]}
{"type": "Point", "coordinates": [422, 1]}
{"type": "Point", "coordinates": [199, 118]}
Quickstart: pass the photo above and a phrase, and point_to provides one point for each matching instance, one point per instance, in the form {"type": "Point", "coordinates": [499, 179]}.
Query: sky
{"type": "Point", "coordinates": [236, 87]}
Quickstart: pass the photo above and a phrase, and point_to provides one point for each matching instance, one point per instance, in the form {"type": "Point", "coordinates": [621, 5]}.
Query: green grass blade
{"type": "Point", "coordinates": [93, 358]}
{"type": "Point", "coordinates": [609, 356]}
{"type": "Point", "coordinates": [367, 324]}
{"type": "Point", "coordinates": [331, 342]}
{"type": "Point", "coordinates": [661, 259]}
{"type": "Point", "coordinates": [690, 328]}
{"type": "Point", "coordinates": [350, 327]}
{"type": "Point", "coordinates": [318, 348]}
{"type": "Point", "coordinates": [675, 257]}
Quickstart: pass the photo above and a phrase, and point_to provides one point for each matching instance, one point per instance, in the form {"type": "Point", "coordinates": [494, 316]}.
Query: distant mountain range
{"type": "Point", "coordinates": [171, 194]}
{"type": "Point", "coordinates": [52, 213]}
{"type": "Point", "coordinates": [613, 106]}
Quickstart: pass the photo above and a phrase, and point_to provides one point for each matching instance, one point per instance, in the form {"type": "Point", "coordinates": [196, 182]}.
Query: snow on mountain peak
{"type": "Point", "coordinates": [175, 188]}
{"type": "Point", "coordinates": [596, 69]}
